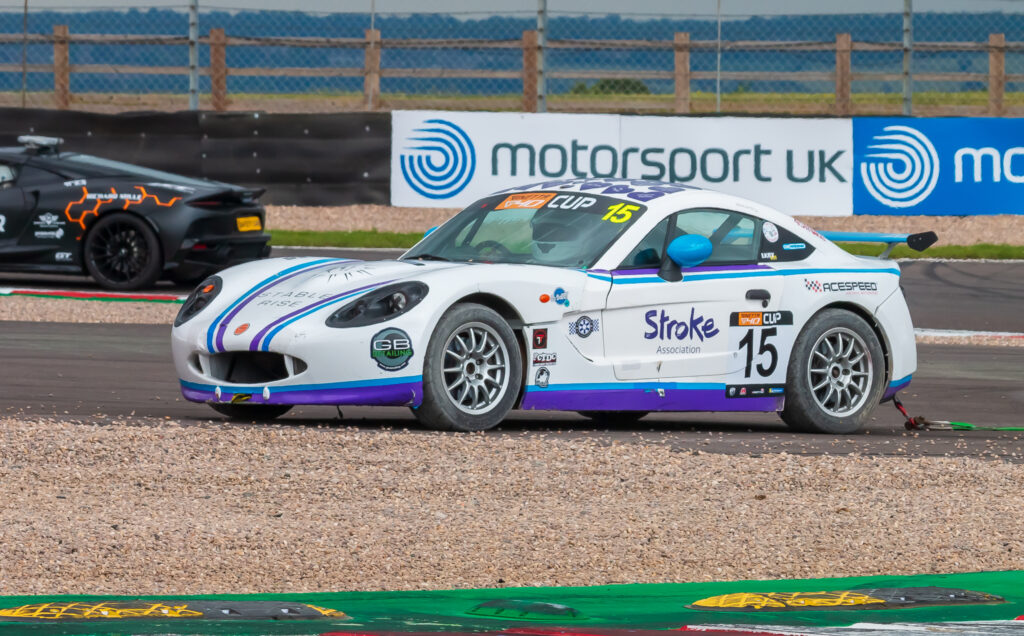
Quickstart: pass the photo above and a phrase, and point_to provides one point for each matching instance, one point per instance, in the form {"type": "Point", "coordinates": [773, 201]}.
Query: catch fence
{"type": "Point", "coordinates": [113, 60]}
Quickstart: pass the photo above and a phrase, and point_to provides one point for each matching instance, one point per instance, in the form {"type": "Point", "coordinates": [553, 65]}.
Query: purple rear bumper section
{"type": "Point", "coordinates": [399, 392]}
{"type": "Point", "coordinates": [643, 397]}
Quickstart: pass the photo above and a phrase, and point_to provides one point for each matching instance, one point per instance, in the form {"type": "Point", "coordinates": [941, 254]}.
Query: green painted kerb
{"type": "Point", "coordinates": [637, 606]}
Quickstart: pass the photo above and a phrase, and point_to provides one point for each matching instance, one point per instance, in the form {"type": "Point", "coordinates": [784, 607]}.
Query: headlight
{"type": "Point", "coordinates": [199, 299]}
{"type": "Point", "coordinates": [379, 305]}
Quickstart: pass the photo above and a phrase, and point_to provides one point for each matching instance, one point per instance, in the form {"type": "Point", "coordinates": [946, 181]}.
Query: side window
{"type": "Point", "coordinates": [7, 176]}
{"type": "Point", "coordinates": [32, 176]}
{"type": "Point", "coordinates": [733, 236]}
{"type": "Point", "coordinates": [649, 251]}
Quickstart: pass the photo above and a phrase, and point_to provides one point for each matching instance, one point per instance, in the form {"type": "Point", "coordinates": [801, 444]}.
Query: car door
{"type": "Point", "coordinates": [13, 209]}
{"type": "Point", "coordinates": [676, 330]}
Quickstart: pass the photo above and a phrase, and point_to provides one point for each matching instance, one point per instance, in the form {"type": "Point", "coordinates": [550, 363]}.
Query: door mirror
{"type": "Point", "coordinates": [689, 250]}
{"type": "Point", "coordinates": [429, 231]}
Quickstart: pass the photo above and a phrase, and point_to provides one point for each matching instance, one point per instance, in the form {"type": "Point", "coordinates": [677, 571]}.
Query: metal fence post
{"type": "Point", "coordinates": [843, 74]}
{"type": "Point", "coordinates": [193, 54]}
{"type": "Point", "coordinates": [61, 67]}
{"type": "Point", "coordinates": [218, 69]}
{"type": "Point", "coordinates": [681, 43]}
{"type": "Point", "coordinates": [542, 65]}
{"type": "Point", "coordinates": [530, 71]}
{"type": "Point", "coordinates": [996, 74]}
{"type": "Point", "coordinates": [24, 52]}
{"type": "Point", "coordinates": [908, 50]}
{"type": "Point", "coordinates": [718, 59]}
{"type": "Point", "coordinates": [371, 70]}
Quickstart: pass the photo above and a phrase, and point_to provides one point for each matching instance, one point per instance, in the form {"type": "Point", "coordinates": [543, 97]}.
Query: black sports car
{"type": "Point", "coordinates": [125, 225]}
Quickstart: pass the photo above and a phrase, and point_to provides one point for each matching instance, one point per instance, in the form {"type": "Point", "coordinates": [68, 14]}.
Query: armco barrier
{"type": "Point", "coordinates": [301, 159]}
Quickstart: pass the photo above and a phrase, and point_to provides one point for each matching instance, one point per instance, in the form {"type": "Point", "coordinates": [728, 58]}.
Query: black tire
{"type": "Point", "coordinates": [122, 252]}
{"type": "Point", "coordinates": [614, 417]}
{"type": "Point", "coordinates": [251, 412]}
{"type": "Point", "coordinates": [494, 381]}
{"type": "Point", "coordinates": [836, 375]}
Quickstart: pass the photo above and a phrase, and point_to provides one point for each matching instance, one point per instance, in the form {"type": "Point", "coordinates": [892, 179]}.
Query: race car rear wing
{"type": "Point", "coordinates": [918, 242]}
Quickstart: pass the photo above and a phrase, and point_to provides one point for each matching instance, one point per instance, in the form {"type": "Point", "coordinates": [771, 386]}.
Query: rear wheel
{"type": "Point", "coordinates": [835, 376]}
{"type": "Point", "coordinates": [122, 253]}
{"type": "Point", "coordinates": [472, 371]}
{"type": "Point", "coordinates": [251, 412]}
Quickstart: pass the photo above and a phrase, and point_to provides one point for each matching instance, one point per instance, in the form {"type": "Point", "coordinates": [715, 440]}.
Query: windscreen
{"type": "Point", "coordinates": [562, 229]}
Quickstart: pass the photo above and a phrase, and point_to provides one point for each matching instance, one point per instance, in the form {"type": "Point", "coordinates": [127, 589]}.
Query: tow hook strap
{"type": "Point", "coordinates": [919, 423]}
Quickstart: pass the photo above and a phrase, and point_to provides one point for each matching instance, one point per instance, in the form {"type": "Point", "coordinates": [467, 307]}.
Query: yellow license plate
{"type": "Point", "coordinates": [249, 223]}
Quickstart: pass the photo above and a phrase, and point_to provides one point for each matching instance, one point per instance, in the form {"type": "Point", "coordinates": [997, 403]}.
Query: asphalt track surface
{"type": "Point", "coordinates": [101, 373]}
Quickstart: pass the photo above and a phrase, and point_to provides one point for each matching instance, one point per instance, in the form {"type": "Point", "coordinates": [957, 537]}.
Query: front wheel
{"type": "Point", "coordinates": [472, 371]}
{"type": "Point", "coordinates": [835, 375]}
{"type": "Point", "coordinates": [251, 412]}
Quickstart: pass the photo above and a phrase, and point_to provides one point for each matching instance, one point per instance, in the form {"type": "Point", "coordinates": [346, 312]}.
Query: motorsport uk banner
{"type": "Point", "coordinates": [822, 167]}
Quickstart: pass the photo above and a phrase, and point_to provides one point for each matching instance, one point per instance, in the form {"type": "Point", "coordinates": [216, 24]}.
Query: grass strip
{"type": "Point", "coordinates": [355, 238]}
{"type": "Point", "coordinates": [979, 250]}
{"type": "Point", "coordinates": [374, 238]}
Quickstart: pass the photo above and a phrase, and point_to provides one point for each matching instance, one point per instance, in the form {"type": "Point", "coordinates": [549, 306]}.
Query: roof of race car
{"type": "Point", "coordinates": [641, 190]}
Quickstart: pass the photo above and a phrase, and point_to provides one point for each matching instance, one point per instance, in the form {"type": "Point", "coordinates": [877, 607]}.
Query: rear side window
{"type": "Point", "coordinates": [781, 245]}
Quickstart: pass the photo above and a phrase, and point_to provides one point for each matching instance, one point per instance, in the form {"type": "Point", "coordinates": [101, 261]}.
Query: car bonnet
{"type": "Point", "coordinates": [254, 317]}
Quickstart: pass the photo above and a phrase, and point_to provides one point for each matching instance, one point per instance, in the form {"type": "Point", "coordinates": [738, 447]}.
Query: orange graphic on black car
{"type": "Point", "coordinates": [92, 201]}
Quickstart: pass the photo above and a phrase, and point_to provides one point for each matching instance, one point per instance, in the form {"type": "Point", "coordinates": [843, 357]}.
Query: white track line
{"type": "Point", "coordinates": [965, 333]}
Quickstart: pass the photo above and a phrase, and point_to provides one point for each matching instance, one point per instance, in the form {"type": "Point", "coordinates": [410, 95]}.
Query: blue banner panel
{"type": "Point", "coordinates": [941, 166]}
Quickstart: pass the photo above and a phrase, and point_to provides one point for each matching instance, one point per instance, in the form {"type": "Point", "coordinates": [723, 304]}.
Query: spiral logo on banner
{"type": "Point", "coordinates": [441, 163]}
{"type": "Point", "coordinates": [903, 169]}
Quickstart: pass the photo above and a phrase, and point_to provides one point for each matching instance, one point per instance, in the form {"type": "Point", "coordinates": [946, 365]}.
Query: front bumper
{"type": "Point", "coordinates": [407, 391]}
{"type": "Point", "coordinates": [304, 364]}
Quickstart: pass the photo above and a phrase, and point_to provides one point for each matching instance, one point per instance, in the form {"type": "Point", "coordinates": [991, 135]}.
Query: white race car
{"type": "Point", "coordinates": [608, 297]}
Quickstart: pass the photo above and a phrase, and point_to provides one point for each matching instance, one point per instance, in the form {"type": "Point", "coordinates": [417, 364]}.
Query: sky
{"type": "Point", "coordinates": [478, 7]}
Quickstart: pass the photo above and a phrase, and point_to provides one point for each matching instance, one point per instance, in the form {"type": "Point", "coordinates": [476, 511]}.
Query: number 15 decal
{"type": "Point", "coordinates": [764, 348]}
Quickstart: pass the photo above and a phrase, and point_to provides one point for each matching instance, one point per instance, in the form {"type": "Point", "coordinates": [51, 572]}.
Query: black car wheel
{"type": "Point", "coordinates": [122, 253]}
{"type": "Point", "coordinates": [251, 412]}
{"type": "Point", "coordinates": [835, 375]}
{"type": "Point", "coordinates": [472, 371]}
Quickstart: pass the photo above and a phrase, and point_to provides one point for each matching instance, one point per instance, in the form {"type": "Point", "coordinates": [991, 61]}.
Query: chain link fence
{"type": "Point", "coordinates": [729, 56]}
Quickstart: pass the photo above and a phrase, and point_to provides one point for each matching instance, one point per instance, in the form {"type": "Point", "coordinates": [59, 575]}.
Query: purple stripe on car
{"type": "Point", "coordinates": [404, 394]}
{"type": "Point", "coordinates": [645, 400]}
{"type": "Point", "coordinates": [689, 270]}
{"type": "Point", "coordinates": [219, 342]}
{"type": "Point", "coordinates": [255, 344]}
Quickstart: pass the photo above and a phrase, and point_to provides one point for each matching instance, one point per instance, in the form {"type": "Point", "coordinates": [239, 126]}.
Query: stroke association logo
{"type": "Point", "coordinates": [439, 161]}
{"type": "Point", "coordinates": [901, 168]}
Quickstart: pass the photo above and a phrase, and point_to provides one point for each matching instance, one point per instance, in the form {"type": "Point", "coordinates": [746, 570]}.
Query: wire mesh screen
{"type": "Point", "coordinates": [733, 56]}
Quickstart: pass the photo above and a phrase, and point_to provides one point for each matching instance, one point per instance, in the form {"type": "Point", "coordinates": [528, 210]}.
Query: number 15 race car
{"type": "Point", "coordinates": [612, 298]}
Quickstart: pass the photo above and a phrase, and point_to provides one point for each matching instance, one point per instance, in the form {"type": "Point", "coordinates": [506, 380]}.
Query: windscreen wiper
{"type": "Point", "coordinates": [428, 257]}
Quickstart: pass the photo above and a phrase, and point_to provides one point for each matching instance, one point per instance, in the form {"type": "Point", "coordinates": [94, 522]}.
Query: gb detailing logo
{"type": "Point", "coordinates": [440, 160]}
{"type": "Point", "coordinates": [902, 167]}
